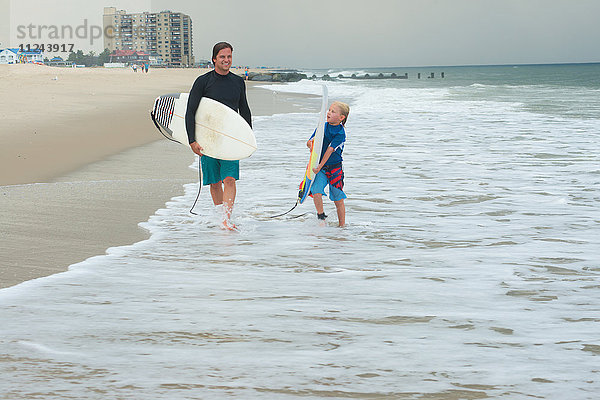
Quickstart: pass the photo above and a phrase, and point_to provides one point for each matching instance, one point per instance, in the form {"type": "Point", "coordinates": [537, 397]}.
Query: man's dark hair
{"type": "Point", "coordinates": [220, 46]}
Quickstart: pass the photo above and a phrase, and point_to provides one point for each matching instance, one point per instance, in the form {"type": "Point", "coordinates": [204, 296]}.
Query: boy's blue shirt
{"type": "Point", "coordinates": [334, 136]}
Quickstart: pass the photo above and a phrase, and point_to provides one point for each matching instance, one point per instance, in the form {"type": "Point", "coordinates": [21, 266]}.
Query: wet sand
{"type": "Point", "coordinates": [81, 164]}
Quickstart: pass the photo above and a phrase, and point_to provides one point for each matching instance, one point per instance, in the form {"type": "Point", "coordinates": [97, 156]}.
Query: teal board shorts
{"type": "Point", "coordinates": [215, 170]}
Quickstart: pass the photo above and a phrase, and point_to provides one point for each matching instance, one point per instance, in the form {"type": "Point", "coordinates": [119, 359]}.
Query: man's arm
{"type": "Point", "coordinates": [192, 106]}
{"type": "Point", "coordinates": [243, 107]}
{"type": "Point", "coordinates": [190, 114]}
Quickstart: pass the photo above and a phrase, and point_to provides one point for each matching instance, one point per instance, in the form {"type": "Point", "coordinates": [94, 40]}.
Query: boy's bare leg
{"type": "Point", "coordinates": [341, 212]}
{"type": "Point", "coordinates": [318, 200]}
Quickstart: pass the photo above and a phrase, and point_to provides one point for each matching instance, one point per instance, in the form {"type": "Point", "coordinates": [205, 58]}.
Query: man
{"type": "Point", "coordinates": [225, 87]}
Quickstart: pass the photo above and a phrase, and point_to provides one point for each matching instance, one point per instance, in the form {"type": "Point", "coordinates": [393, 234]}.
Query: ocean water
{"type": "Point", "coordinates": [469, 267]}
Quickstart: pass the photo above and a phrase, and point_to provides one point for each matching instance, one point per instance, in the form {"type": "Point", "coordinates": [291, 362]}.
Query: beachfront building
{"type": "Point", "coordinates": [15, 56]}
{"type": "Point", "coordinates": [9, 56]}
{"type": "Point", "coordinates": [59, 62]}
{"type": "Point", "coordinates": [164, 35]}
{"type": "Point", "coordinates": [32, 56]}
{"type": "Point", "coordinates": [129, 57]}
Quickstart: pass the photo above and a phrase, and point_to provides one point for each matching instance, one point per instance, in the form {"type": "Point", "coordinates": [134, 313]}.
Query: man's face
{"type": "Point", "coordinates": [223, 61]}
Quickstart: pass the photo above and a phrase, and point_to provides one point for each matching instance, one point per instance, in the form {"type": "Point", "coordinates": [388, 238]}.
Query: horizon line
{"type": "Point", "coordinates": [465, 65]}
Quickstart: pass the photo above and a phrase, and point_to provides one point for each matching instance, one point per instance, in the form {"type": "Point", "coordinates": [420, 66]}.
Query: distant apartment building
{"type": "Point", "coordinates": [166, 36]}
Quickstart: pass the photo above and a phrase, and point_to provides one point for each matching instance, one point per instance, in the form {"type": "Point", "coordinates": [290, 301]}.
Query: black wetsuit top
{"type": "Point", "coordinates": [228, 89]}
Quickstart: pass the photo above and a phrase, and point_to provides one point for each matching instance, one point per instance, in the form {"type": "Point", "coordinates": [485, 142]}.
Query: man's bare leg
{"type": "Point", "coordinates": [229, 192]}
{"type": "Point", "coordinates": [216, 191]}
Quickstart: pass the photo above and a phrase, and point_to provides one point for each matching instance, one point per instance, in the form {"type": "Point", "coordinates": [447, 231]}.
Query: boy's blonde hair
{"type": "Point", "coordinates": [344, 110]}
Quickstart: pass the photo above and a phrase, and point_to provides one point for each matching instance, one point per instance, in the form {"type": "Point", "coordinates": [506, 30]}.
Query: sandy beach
{"type": "Point", "coordinates": [81, 163]}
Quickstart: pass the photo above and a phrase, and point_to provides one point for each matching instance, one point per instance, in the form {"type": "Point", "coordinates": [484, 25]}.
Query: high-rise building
{"type": "Point", "coordinates": [166, 35]}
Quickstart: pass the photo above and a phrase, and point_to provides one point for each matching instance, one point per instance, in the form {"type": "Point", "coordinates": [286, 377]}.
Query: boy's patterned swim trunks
{"type": "Point", "coordinates": [335, 175]}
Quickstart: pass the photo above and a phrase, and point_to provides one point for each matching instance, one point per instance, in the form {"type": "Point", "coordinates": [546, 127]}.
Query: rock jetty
{"type": "Point", "coordinates": [294, 76]}
{"type": "Point", "coordinates": [276, 76]}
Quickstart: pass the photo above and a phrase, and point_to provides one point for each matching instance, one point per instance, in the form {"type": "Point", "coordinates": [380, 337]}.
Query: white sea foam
{"type": "Point", "coordinates": [469, 263]}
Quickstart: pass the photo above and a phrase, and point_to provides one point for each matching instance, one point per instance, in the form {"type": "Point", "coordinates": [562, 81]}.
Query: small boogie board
{"type": "Point", "coordinates": [220, 131]}
{"type": "Point", "coordinates": [315, 154]}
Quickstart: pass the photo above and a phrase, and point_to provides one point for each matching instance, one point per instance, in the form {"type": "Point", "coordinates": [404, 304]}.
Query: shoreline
{"type": "Point", "coordinates": [84, 183]}
{"type": "Point", "coordinates": [61, 119]}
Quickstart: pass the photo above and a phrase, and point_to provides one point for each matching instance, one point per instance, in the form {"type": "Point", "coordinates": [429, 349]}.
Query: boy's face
{"type": "Point", "coordinates": [334, 115]}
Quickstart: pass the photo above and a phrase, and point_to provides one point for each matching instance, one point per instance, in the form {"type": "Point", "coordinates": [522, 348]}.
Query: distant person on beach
{"type": "Point", "coordinates": [225, 87]}
{"type": "Point", "coordinates": [246, 73]}
{"type": "Point", "coordinates": [330, 171]}
{"type": "Point", "coordinates": [146, 67]}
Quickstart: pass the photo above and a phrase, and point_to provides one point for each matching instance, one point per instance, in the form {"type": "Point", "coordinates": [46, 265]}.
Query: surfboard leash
{"type": "Point", "coordinates": [287, 212]}
{"type": "Point", "coordinates": [298, 216]}
{"type": "Point", "coordinates": [199, 187]}
{"type": "Point", "coordinates": [160, 130]}
{"type": "Point", "coordinates": [199, 164]}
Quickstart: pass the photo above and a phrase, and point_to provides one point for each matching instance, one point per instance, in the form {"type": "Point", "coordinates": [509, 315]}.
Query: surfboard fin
{"type": "Point", "coordinates": [300, 194]}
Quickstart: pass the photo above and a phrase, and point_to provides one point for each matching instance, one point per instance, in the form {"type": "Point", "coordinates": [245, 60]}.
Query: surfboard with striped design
{"type": "Point", "coordinates": [220, 131]}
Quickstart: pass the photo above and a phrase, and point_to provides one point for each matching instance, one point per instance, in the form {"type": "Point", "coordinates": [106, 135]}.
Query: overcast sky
{"type": "Point", "coordinates": [354, 33]}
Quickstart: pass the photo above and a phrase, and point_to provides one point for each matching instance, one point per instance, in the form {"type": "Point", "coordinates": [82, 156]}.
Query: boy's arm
{"type": "Point", "coordinates": [311, 140]}
{"type": "Point", "coordinates": [326, 156]}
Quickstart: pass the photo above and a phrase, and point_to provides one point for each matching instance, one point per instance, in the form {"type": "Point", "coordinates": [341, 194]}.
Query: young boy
{"type": "Point", "coordinates": [329, 171]}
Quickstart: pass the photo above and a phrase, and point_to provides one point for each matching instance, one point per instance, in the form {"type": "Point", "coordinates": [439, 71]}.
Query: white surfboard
{"type": "Point", "coordinates": [220, 131]}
